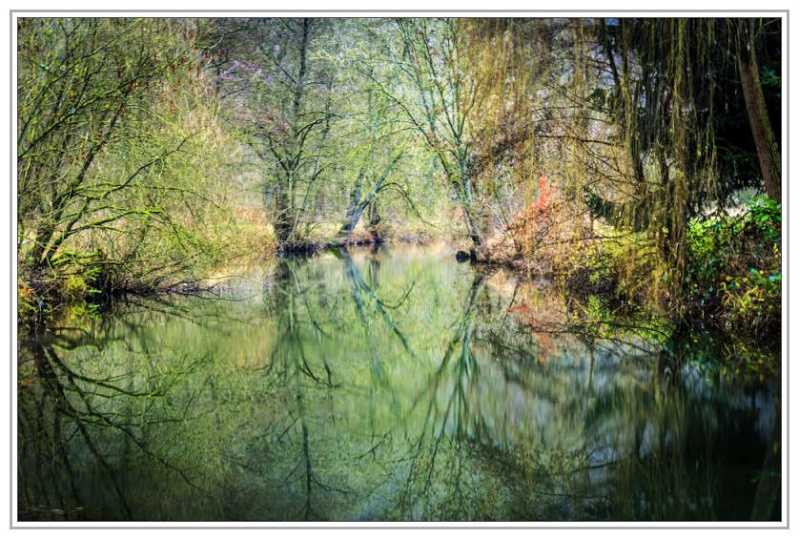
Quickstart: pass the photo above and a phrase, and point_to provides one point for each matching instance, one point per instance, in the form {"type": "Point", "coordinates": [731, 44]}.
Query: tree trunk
{"type": "Point", "coordinates": [357, 206]}
{"type": "Point", "coordinates": [479, 249]}
{"type": "Point", "coordinates": [374, 220]}
{"type": "Point", "coordinates": [286, 194]}
{"type": "Point", "coordinates": [283, 222]}
{"type": "Point", "coordinates": [767, 150]}
{"type": "Point", "coordinates": [350, 222]}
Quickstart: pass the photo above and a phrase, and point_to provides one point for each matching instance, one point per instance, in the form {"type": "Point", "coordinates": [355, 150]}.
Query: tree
{"type": "Point", "coordinates": [436, 96]}
{"type": "Point", "coordinates": [107, 130]}
{"type": "Point", "coordinates": [670, 88]}
{"type": "Point", "coordinates": [279, 94]}
{"type": "Point", "coordinates": [382, 168]}
{"type": "Point", "coordinates": [81, 82]}
{"type": "Point", "coordinates": [768, 153]}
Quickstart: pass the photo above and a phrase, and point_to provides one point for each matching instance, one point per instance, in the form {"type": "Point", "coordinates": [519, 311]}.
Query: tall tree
{"type": "Point", "coordinates": [279, 92]}
{"type": "Point", "coordinates": [436, 95]}
{"type": "Point", "coordinates": [768, 153]}
{"type": "Point", "coordinates": [666, 86]}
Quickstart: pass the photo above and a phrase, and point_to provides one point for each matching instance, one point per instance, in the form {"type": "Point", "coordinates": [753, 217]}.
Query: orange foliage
{"type": "Point", "coordinates": [523, 310]}
{"type": "Point", "coordinates": [532, 223]}
{"type": "Point", "coordinates": [545, 347]}
{"type": "Point", "coordinates": [25, 290]}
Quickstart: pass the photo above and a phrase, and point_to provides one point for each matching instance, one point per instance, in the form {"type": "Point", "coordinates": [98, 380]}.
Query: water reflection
{"type": "Point", "coordinates": [80, 430]}
{"type": "Point", "coordinates": [393, 385]}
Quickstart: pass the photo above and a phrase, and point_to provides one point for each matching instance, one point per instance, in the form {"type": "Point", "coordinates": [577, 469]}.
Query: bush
{"type": "Point", "coordinates": [735, 270]}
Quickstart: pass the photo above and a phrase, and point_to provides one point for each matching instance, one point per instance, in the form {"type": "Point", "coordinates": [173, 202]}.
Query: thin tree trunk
{"type": "Point", "coordinates": [479, 250]}
{"type": "Point", "coordinates": [358, 206]}
{"type": "Point", "coordinates": [374, 220]}
{"type": "Point", "coordinates": [767, 151]}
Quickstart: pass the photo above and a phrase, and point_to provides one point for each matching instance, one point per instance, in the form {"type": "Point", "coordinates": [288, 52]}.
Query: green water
{"type": "Point", "coordinates": [389, 386]}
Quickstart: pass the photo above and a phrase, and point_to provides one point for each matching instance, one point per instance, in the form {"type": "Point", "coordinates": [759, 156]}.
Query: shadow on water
{"type": "Point", "coordinates": [391, 385]}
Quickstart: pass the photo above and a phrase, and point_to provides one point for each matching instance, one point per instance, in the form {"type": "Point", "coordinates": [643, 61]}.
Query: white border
{"type": "Point", "coordinates": [366, 9]}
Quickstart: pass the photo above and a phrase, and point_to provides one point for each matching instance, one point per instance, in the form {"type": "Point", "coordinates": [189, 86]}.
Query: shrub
{"type": "Point", "coordinates": [735, 274]}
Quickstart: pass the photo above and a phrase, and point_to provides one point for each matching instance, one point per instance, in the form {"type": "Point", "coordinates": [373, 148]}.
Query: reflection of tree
{"type": "Point", "coordinates": [478, 442]}
{"type": "Point", "coordinates": [306, 314]}
{"type": "Point", "coordinates": [300, 371]}
{"type": "Point", "coordinates": [766, 505]}
{"type": "Point", "coordinates": [72, 425]}
{"type": "Point", "coordinates": [650, 447]}
{"type": "Point", "coordinates": [472, 425]}
{"type": "Point", "coordinates": [468, 431]}
{"type": "Point", "coordinates": [370, 306]}
{"type": "Point", "coordinates": [291, 302]}
{"type": "Point", "coordinates": [604, 437]}
{"type": "Point", "coordinates": [451, 420]}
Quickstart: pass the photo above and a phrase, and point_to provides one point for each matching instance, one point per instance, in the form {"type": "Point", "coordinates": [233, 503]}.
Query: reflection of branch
{"type": "Point", "coordinates": [53, 370]}
{"type": "Point", "coordinates": [385, 439]}
{"type": "Point", "coordinates": [456, 406]}
{"type": "Point", "coordinates": [290, 355]}
{"type": "Point", "coordinates": [105, 419]}
{"type": "Point", "coordinates": [72, 375]}
{"type": "Point", "coordinates": [360, 287]}
{"type": "Point", "coordinates": [47, 464]}
{"type": "Point", "coordinates": [599, 328]}
{"type": "Point", "coordinates": [306, 455]}
{"type": "Point", "coordinates": [290, 337]}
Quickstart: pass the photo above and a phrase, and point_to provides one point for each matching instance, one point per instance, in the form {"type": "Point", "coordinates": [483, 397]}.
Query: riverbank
{"type": "Point", "coordinates": [614, 271]}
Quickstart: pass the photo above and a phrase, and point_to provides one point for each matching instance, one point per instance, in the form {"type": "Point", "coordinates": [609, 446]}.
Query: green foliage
{"type": "Point", "coordinates": [766, 215]}
{"type": "Point", "coordinates": [622, 268]}
{"type": "Point", "coordinates": [115, 121]}
{"type": "Point", "coordinates": [770, 78]}
{"type": "Point", "coordinates": [117, 116]}
{"type": "Point", "coordinates": [735, 273]}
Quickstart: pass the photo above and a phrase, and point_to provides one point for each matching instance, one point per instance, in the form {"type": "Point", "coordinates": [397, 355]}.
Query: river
{"type": "Point", "coordinates": [395, 385]}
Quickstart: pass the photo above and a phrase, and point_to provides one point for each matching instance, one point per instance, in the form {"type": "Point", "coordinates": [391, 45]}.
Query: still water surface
{"type": "Point", "coordinates": [388, 386]}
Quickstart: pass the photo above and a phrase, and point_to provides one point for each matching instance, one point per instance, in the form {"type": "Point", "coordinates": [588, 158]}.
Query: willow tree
{"type": "Point", "coordinates": [509, 59]}
{"type": "Point", "coordinates": [523, 113]}
{"type": "Point", "coordinates": [670, 88]}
